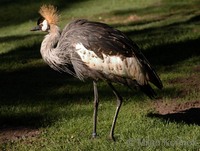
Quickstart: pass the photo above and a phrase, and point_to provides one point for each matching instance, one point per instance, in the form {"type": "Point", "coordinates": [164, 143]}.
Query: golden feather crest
{"type": "Point", "coordinates": [50, 13]}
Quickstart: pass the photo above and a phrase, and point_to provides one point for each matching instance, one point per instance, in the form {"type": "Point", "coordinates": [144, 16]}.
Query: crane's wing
{"type": "Point", "coordinates": [103, 39]}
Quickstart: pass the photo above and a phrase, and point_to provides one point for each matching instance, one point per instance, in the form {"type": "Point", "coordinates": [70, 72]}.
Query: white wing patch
{"type": "Point", "coordinates": [129, 67]}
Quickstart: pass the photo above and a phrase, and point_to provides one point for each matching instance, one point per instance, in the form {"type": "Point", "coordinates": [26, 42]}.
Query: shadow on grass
{"type": "Point", "coordinates": [165, 52]}
{"type": "Point", "coordinates": [44, 118]}
{"type": "Point", "coordinates": [31, 120]}
{"type": "Point", "coordinates": [170, 54]}
{"type": "Point", "coordinates": [188, 116]}
{"type": "Point", "coordinates": [9, 39]}
{"type": "Point", "coordinates": [33, 85]}
{"type": "Point", "coordinates": [37, 88]}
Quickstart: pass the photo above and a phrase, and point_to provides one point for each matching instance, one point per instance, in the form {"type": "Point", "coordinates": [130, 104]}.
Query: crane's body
{"type": "Point", "coordinates": [96, 51]}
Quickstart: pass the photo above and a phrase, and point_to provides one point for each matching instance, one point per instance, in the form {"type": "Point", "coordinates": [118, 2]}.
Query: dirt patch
{"type": "Point", "coordinates": [190, 84]}
{"type": "Point", "coordinates": [183, 112]}
{"type": "Point", "coordinates": [17, 133]}
{"type": "Point", "coordinates": [191, 81]}
{"type": "Point", "coordinates": [197, 69]}
{"type": "Point", "coordinates": [175, 107]}
{"type": "Point", "coordinates": [187, 112]}
{"type": "Point", "coordinates": [124, 20]}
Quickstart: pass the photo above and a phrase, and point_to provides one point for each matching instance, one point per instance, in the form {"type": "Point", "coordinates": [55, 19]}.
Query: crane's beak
{"type": "Point", "coordinates": [36, 28]}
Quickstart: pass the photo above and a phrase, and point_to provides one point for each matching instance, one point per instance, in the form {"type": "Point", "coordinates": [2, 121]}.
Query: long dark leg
{"type": "Point", "coordinates": [119, 102]}
{"type": "Point", "coordinates": [96, 102]}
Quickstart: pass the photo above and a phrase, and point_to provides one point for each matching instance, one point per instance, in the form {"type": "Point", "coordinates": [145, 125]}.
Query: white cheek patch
{"type": "Point", "coordinates": [45, 25]}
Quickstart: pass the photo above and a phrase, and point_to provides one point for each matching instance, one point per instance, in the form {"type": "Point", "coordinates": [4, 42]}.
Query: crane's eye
{"type": "Point", "coordinates": [40, 20]}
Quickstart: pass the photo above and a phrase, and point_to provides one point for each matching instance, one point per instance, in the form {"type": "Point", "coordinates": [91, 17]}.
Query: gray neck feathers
{"type": "Point", "coordinates": [48, 48]}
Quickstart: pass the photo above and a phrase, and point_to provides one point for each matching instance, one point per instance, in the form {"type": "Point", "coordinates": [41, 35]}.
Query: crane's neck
{"type": "Point", "coordinates": [50, 40]}
{"type": "Point", "coordinates": [48, 46]}
{"type": "Point", "coordinates": [53, 54]}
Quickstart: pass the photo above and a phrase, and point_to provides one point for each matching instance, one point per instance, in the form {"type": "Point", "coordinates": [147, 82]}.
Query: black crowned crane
{"type": "Point", "coordinates": [96, 51]}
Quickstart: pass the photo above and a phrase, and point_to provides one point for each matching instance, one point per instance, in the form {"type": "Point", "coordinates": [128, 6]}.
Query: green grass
{"type": "Point", "coordinates": [34, 96]}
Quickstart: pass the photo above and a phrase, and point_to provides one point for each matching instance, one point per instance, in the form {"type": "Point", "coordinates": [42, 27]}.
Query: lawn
{"type": "Point", "coordinates": [41, 109]}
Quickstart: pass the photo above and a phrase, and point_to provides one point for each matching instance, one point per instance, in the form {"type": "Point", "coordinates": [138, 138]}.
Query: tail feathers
{"type": "Point", "coordinates": [153, 77]}
{"type": "Point", "coordinates": [148, 90]}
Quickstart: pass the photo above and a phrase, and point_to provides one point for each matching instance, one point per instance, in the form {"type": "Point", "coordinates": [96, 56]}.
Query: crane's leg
{"type": "Point", "coordinates": [96, 103]}
{"type": "Point", "coordinates": [119, 102]}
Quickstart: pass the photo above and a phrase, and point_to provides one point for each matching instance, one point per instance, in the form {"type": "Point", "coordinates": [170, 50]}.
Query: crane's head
{"type": "Point", "coordinates": [49, 17]}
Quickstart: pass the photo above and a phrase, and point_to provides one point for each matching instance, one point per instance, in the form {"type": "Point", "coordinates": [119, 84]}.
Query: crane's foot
{"type": "Point", "coordinates": [112, 138]}
{"type": "Point", "coordinates": [94, 135]}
